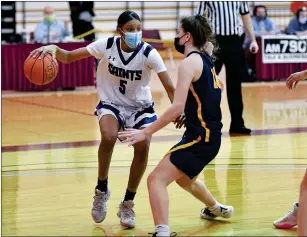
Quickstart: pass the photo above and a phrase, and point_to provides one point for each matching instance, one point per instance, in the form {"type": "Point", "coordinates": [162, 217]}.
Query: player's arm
{"type": "Point", "coordinates": [167, 84]}
{"type": "Point", "coordinates": [96, 49]}
{"type": "Point", "coordinates": [65, 56]}
{"type": "Point", "coordinates": [294, 78]}
{"type": "Point", "coordinates": [187, 71]}
{"type": "Point", "coordinates": [186, 74]}
{"type": "Point", "coordinates": [62, 55]}
{"type": "Point", "coordinates": [156, 63]}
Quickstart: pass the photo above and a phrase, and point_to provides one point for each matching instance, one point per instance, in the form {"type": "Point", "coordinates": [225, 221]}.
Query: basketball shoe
{"type": "Point", "coordinates": [126, 214]}
{"type": "Point", "coordinates": [99, 210]}
{"type": "Point", "coordinates": [289, 220]}
{"type": "Point", "coordinates": [220, 211]}
{"type": "Point", "coordinates": [156, 234]}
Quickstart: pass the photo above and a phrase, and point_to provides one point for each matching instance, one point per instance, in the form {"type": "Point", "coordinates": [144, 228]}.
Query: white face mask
{"type": "Point", "coordinates": [302, 20]}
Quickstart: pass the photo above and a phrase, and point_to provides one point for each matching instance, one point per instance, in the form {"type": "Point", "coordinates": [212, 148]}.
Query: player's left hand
{"type": "Point", "coordinates": [180, 121]}
{"type": "Point", "coordinates": [294, 78]}
{"type": "Point", "coordinates": [132, 136]}
{"type": "Point", "coordinates": [253, 48]}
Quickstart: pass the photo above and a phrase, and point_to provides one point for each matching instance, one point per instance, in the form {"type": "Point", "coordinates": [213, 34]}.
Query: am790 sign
{"type": "Point", "coordinates": [284, 49]}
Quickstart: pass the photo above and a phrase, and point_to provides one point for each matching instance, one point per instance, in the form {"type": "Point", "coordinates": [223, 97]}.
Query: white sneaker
{"type": "Point", "coordinates": [99, 210]}
{"type": "Point", "coordinates": [126, 214]}
{"type": "Point", "coordinates": [289, 220]}
{"type": "Point", "coordinates": [222, 211]}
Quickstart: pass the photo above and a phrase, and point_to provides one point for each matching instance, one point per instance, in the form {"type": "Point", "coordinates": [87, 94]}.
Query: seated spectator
{"type": "Point", "coordinates": [262, 24]}
{"type": "Point", "coordinates": [50, 30]}
{"type": "Point", "coordinates": [298, 25]}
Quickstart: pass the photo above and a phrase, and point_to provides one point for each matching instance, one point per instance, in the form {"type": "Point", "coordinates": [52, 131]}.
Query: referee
{"type": "Point", "coordinates": [224, 18]}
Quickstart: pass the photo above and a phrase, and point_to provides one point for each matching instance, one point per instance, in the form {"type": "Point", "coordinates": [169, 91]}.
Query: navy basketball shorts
{"type": "Point", "coordinates": [191, 156]}
{"type": "Point", "coordinates": [127, 117]}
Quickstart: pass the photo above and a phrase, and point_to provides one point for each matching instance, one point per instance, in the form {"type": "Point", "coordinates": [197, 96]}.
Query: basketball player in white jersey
{"type": "Point", "coordinates": [123, 76]}
{"type": "Point", "coordinates": [298, 214]}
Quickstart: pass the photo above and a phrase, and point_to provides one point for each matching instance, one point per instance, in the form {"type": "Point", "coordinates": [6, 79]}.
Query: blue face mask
{"type": "Point", "coordinates": [261, 18]}
{"type": "Point", "coordinates": [133, 39]}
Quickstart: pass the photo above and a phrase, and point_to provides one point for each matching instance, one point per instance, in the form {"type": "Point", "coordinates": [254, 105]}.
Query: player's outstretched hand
{"type": "Point", "coordinates": [180, 121]}
{"type": "Point", "coordinates": [43, 50]}
{"type": "Point", "coordinates": [132, 136]}
{"type": "Point", "coordinates": [294, 78]}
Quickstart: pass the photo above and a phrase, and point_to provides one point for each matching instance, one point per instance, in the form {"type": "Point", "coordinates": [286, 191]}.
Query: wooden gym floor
{"type": "Point", "coordinates": [49, 166]}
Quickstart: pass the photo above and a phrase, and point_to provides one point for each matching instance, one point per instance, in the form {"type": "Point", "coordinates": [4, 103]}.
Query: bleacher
{"type": "Point", "coordinates": [155, 15]}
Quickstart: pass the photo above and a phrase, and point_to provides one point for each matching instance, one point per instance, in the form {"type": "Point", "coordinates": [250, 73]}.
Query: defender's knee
{"type": "Point", "coordinates": [152, 179]}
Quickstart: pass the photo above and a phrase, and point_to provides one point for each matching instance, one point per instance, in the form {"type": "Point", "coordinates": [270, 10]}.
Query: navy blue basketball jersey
{"type": "Point", "coordinates": [202, 108]}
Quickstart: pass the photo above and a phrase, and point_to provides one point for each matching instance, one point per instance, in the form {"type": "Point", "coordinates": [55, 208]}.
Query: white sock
{"type": "Point", "coordinates": [162, 230]}
{"type": "Point", "coordinates": [215, 207]}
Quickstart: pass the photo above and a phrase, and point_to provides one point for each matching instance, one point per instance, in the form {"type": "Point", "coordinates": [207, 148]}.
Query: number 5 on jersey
{"type": "Point", "coordinates": [122, 86]}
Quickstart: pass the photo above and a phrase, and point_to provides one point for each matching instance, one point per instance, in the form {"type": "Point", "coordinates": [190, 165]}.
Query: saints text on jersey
{"type": "Point", "coordinates": [123, 73]}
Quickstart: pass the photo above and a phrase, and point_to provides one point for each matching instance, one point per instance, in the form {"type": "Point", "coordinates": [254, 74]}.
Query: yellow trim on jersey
{"type": "Point", "coordinates": [184, 145]}
{"type": "Point", "coordinates": [199, 114]}
{"type": "Point", "coordinates": [216, 81]}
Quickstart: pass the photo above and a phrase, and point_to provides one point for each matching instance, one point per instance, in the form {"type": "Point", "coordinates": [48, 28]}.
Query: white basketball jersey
{"type": "Point", "coordinates": [123, 78]}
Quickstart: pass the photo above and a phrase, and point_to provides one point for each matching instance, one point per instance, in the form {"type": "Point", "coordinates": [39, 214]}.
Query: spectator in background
{"type": "Point", "coordinates": [298, 25]}
{"type": "Point", "coordinates": [82, 14]}
{"type": "Point", "coordinates": [50, 30]}
{"type": "Point", "coordinates": [262, 24]}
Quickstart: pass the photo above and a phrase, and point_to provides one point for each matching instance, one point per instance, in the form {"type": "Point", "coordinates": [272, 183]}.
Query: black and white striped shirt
{"type": "Point", "coordinates": [224, 17]}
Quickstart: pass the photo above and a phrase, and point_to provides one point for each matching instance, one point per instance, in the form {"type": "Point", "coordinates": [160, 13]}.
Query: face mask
{"type": "Point", "coordinates": [302, 20]}
{"type": "Point", "coordinates": [133, 39]}
{"type": "Point", "coordinates": [178, 47]}
{"type": "Point", "coordinates": [260, 18]}
{"type": "Point", "coordinates": [50, 18]}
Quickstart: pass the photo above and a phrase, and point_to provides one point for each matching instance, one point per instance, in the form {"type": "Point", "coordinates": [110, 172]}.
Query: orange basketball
{"type": "Point", "coordinates": [41, 71]}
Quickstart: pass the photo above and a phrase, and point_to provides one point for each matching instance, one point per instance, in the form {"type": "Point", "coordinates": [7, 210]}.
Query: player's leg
{"type": "Point", "coordinates": [302, 212]}
{"type": "Point", "coordinates": [157, 182]}
{"type": "Point", "coordinates": [200, 155]}
{"type": "Point", "coordinates": [183, 162]}
{"type": "Point", "coordinates": [137, 169]}
{"type": "Point", "coordinates": [199, 190]}
{"type": "Point", "coordinates": [138, 119]}
{"type": "Point", "coordinates": [109, 127]}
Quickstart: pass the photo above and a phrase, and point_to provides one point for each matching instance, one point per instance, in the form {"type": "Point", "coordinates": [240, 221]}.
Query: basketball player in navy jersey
{"type": "Point", "coordinates": [298, 214]}
{"type": "Point", "coordinates": [198, 95]}
{"type": "Point", "coordinates": [123, 76]}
